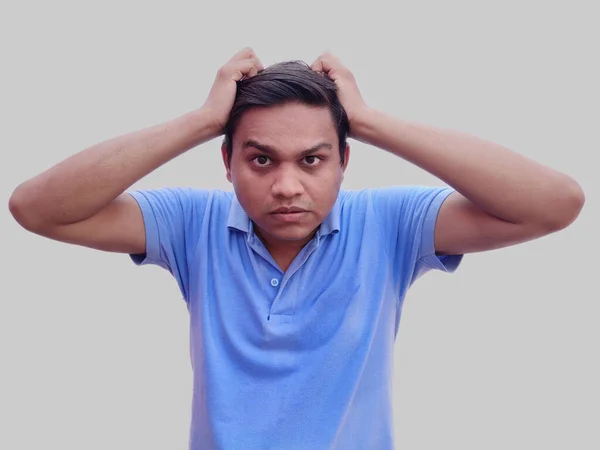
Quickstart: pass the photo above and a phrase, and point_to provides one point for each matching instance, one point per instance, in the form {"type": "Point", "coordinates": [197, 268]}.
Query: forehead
{"type": "Point", "coordinates": [291, 123]}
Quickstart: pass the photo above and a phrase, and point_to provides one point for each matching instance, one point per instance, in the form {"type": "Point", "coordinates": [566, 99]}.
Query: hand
{"type": "Point", "coordinates": [219, 102]}
{"type": "Point", "coordinates": [348, 91]}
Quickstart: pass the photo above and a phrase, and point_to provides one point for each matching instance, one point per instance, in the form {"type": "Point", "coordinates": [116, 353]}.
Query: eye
{"type": "Point", "coordinates": [261, 160]}
{"type": "Point", "coordinates": [312, 160]}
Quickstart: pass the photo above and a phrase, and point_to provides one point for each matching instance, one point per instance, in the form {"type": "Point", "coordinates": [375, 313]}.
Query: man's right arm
{"type": "Point", "coordinates": [82, 200]}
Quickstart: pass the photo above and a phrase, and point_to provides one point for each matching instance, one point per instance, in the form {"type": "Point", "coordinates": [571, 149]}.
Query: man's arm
{"type": "Point", "coordinates": [502, 198]}
{"type": "Point", "coordinates": [82, 199]}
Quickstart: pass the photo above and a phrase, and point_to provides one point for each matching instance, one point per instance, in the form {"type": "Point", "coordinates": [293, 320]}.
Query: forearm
{"type": "Point", "coordinates": [84, 183]}
{"type": "Point", "coordinates": [500, 181]}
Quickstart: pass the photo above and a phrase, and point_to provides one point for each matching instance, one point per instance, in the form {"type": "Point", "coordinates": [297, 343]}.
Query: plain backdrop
{"type": "Point", "coordinates": [503, 354]}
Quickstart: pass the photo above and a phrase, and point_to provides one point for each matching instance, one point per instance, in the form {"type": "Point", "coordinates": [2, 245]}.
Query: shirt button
{"type": "Point", "coordinates": [274, 282]}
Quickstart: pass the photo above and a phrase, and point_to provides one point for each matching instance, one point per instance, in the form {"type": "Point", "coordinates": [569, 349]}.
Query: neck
{"type": "Point", "coordinates": [283, 252]}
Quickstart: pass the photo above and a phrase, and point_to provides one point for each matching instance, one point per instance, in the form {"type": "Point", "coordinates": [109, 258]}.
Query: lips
{"type": "Point", "coordinates": [288, 210]}
{"type": "Point", "coordinates": [289, 214]}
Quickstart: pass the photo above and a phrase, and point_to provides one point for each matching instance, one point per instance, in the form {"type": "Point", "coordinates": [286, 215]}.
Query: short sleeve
{"type": "Point", "coordinates": [172, 220]}
{"type": "Point", "coordinates": [406, 218]}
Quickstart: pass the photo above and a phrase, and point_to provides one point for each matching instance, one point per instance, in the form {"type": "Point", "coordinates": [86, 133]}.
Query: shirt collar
{"type": "Point", "coordinates": [239, 220]}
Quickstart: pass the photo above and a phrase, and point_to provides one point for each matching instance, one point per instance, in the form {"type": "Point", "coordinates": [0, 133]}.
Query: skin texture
{"type": "Point", "coordinates": [286, 156]}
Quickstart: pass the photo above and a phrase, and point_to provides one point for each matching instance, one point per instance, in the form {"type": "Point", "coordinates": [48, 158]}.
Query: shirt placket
{"type": "Point", "coordinates": [280, 305]}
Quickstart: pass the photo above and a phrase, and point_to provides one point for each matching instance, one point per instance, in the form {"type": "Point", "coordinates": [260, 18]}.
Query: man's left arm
{"type": "Point", "coordinates": [502, 198]}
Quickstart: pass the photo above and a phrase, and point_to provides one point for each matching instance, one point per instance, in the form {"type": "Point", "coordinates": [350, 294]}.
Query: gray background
{"type": "Point", "coordinates": [502, 354]}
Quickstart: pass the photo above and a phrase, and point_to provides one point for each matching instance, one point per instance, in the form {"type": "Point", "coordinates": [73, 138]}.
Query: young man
{"type": "Point", "coordinates": [294, 287]}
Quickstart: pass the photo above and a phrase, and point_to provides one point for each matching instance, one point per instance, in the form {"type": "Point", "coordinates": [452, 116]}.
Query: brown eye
{"type": "Point", "coordinates": [312, 160]}
{"type": "Point", "coordinates": [261, 160]}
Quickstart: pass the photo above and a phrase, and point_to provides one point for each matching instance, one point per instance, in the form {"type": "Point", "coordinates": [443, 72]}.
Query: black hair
{"type": "Point", "coordinates": [285, 82]}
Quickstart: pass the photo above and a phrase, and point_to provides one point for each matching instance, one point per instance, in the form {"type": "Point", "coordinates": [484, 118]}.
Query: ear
{"type": "Point", "coordinates": [225, 162]}
{"type": "Point", "coordinates": [346, 157]}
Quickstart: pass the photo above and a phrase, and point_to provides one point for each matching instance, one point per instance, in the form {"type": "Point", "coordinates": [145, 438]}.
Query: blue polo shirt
{"type": "Point", "coordinates": [301, 359]}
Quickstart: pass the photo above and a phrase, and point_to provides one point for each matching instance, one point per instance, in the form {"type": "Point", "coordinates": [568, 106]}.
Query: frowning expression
{"type": "Point", "coordinates": [286, 170]}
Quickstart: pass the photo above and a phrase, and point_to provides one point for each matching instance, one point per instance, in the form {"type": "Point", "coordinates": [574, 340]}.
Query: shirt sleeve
{"type": "Point", "coordinates": [407, 217]}
{"type": "Point", "coordinates": [172, 221]}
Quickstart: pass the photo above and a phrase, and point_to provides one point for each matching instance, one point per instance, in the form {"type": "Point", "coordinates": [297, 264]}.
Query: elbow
{"type": "Point", "coordinates": [16, 207]}
{"type": "Point", "coordinates": [566, 207]}
{"type": "Point", "coordinates": [21, 211]}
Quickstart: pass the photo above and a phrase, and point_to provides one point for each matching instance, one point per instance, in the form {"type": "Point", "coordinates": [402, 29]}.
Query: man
{"type": "Point", "coordinates": [294, 286]}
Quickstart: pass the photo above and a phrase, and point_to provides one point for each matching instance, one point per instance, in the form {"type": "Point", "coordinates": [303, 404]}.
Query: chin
{"type": "Point", "coordinates": [289, 233]}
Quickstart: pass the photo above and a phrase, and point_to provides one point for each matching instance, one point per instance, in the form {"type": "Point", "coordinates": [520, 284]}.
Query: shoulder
{"type": "Point", "coordinates": [396, 196]}
{"type": "Point", "coordinates": [393, 208]}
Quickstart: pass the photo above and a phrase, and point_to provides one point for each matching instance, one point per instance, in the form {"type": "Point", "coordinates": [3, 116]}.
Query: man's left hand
{"type": "Point", "coordinates": [348, 92]}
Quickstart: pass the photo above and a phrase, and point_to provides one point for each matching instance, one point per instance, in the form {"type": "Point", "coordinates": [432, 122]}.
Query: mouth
{"type": "Point", "coordinates": [287, 210]}
{"type": "Point", "coordinates": [292, 214]}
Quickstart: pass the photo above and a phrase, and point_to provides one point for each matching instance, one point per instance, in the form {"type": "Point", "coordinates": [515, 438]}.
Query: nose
{"type": "Point", "coordinates": [287, 184]}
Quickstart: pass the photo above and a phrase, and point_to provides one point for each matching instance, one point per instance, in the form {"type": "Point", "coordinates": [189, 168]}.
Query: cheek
{"type": "Point", "coordinates": [326, 183]}
{"type": "Point", "coordinates": [243, 175]}
{"type": "Point", "coordinates": [251, 190]}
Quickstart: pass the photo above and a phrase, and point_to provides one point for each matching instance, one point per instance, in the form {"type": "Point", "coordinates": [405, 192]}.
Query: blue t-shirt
{"type": "Point", "coordinates": [301, 359]}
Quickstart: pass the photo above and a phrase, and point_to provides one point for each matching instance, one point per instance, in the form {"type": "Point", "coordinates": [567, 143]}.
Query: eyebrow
{"type": "Point", "coordinates": [250, 143]}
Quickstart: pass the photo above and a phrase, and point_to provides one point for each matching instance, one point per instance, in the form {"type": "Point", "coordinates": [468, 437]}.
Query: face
{"type": "Point", "coordinates": [286, 171]}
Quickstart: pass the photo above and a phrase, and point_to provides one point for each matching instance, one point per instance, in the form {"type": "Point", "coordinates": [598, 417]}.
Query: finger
{"type": "Point", "coordinates": [325, 63]}
{"type": "Point", "coordinates": [323, 67]}
{"type": "Point", "coordinates": [253, 71]}
{"type": "Point", "coordinates": [317, 66]}
{"type": "Point", "coordinates": [245, 53]}
{"type": "Point", "coordinates": [259, 64]}
{"type": "Point", "coordinates": [256, 66]}
{"type": "Point", "coordinates": [246, 68]}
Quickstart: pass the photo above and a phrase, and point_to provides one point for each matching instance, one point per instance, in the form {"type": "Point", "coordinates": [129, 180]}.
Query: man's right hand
{"type": "Point", "coordinates": [221, 97]}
